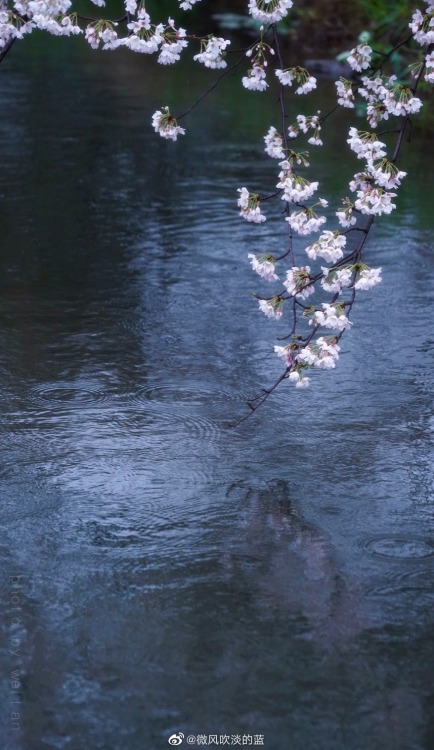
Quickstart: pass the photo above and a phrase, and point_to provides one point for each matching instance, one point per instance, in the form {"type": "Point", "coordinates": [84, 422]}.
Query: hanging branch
{"type": "Point", "coordinates": [345, 273]}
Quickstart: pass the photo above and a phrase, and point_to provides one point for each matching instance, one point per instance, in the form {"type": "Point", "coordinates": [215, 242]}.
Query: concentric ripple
{"type": "Point", "coordinates": [408, 584]}
{"type": "Point", "coordinates": [69, 394]}
{"type": "Point", "coordinates": [202, 411]}
{"type": "Point", "coordinates": [134, 425]}
{"type": "Point", "coordinates": [187, 395]}
{"type": "Point", "coordinates": [399, 547]}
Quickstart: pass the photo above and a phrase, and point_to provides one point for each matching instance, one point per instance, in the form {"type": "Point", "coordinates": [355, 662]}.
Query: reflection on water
{"type": "Point", "coordinates": [172, 574]}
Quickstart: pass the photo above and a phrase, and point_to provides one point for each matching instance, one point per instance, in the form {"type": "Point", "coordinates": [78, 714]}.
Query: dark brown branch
{"type": "Point", "coordinates": [265, 393]}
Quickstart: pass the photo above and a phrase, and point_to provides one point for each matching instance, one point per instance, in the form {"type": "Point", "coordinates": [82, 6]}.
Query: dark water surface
{"type": "Point", "coordinates": [171, 574]}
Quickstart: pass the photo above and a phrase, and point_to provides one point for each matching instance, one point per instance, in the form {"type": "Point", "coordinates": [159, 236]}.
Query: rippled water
{"type": "Point", "coordinates": [172, 574]}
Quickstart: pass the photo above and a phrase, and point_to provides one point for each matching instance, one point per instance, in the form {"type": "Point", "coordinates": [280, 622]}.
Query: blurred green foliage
{"type": "Point", "coordinates": [334, 24]}
{"type": "Point", "coordinates": [330, 24]}
{"type": "Point", "coordinates": [316, 24]}
{"type": "Point", "coordinates": [385, 18]}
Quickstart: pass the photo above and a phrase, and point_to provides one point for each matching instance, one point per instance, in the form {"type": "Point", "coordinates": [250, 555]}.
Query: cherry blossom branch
{"type": "Point", "coordinates": [371, 200]}
{"type": "Point", "coordinates": [261, 398]}
{"type": "Point", "coordinates": [374, 186]}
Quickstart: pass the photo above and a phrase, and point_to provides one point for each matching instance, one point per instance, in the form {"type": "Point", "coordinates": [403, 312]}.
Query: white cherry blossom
{"type": "Point", "coordinates": [329, 246]}
{"type": "Point", "coordinates": [374, 201]}
{"type": "Point", "coordinates": [429, 72]}
{"type": "Point", "coordinates": [335, 279]}
{"type": "Point", "coordinates": [422, 26]}
{"type": "Point", "coordinates": [165, 125]}
{"type": "Point", "coordinates": [295, 188]}
{"type": "Point", "coordinates": [308, 85]}
{"type": "Point", "coordinates": [386, 174]}
{"type": "Point", "coordinates": [345, 93]}
{"type": "Point", "coordinates": [322, 353]}
{"type": "Point", "coordinates": [263, 266]}
{"type": "Point", "coordinates": [212, 52]}
{"type": "Point", "coordinates": [188, 4]}
{"type": "Point", "coordinates": [331, 316]}
{"type": "Point", "coordinates": [249, 203]}
{"type": "Point", "coordinates": [274, 144]}
{"type": "Point", "coordinates": [345, 216]}
{"type": "Point", "coordinates": [269, 11]}
{"type": "Point", "coordinates": [401, 102]}
{"type": "Point", "coordinates": [300, 75]}
{"type": "Point", "coordinates": [368, 278]}
{"type": "Point", "coordinates": [297, 282]}
{"type": "Point", "coordinates": [366, 145]}
{"type": "Point", "coordinates": [305, 222]}
{"type": "Point", "coordinates": [300, 380]}
{"type": "Point", "coordinates": [255, 80]}
{"type": "Point", "coordinates": [286, 77]}
{"type": "Point", "coordinates": [271, 308]}
{"type": "Point", "coordinates": [360, 57]}
{"type": "Point", "coordinates": [173, 44]}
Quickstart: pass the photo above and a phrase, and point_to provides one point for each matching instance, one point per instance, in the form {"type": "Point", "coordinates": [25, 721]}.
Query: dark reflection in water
{"type": "Point", "coordinates": [172, 574]}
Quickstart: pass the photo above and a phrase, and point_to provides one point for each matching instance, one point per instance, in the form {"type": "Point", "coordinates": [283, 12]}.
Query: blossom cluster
{"type": "Point", "coordinates": [249, 203]}
{"type": "Point", "coordinates": [298, 282]}
{"type": "Point", "coordinates": [342, 273]}
{"type": "Point", "coordinates": [386, 97]}
{"type": "Point", "coordinates": [422, 25]}
{"type": "Point", "coordinates": [259, 54]}
{"type": "Point", "coordinates": [305, 81]}
{"type": "Point", "coordinates": [166, 125]}
{"type": "Point", "coordinates": [269, 11]}
{"type": "Point", "coordinates": [212, 52]}
{"type": "Point", "coordinates": [329, 247]}
{"type": "Point", "coordinates": [306, 221]}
